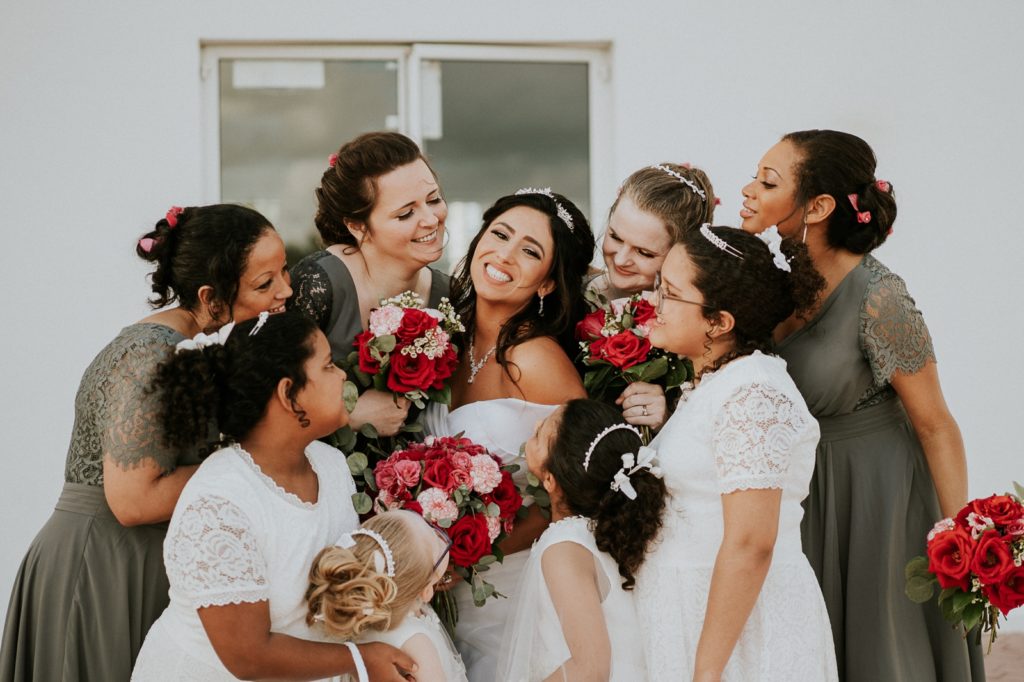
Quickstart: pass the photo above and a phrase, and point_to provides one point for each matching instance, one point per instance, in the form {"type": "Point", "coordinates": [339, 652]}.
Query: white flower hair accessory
{"type": "Point", "coordinates": [546, 191]}
{"type": "Point", "coordinates": [683, 179]}
{"type": "Point", "coordinates": [262, 320]}
{"type": "Point", "coordinates": [602, 434]}
{"type": "Point", "coordinates": [706, 232]}
{"type": "Point", "coordinates": [773, 239]}
{"type": "Point", "coordinates": [383, 559]}
{"type": "Point", "coordinates": [202, 340]}
{"type": "Point", "coordinates": [645, 458]}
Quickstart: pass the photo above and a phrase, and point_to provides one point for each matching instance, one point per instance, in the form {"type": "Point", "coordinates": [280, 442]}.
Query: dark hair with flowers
{"type": "Point", "coordinates": [563, 307]}
{"type": "Point", "coordinates": [623, 527]}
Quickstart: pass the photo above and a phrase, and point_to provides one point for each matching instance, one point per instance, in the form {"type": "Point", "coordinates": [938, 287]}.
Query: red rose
{"type": "Point", "coordinates": [437, 473]}
{"type": "Point", "coordinates": [469, 540]}
{"type": "Point", "coordinates": [625, 349]}
{"type": "Point", "coordinates": [410, 373]}
{"type": "Point", "coordinates": [414, 506]}
{"type": "Point", "coordinates": [993, 558]}
{"type": "Point", "coordinates": [643, 312]}
{"type": "Point", "coordinates": [506, 496]}
{"type": "Point", "coordinates": [1008, 594]}
{"type": "Point", "coordinates": [589, 328]}
{"type": "Point", "coordinates": [367, 362]}
{"type": "Point", "coordinates": [596, 348]}
{"type": "Point", "coordinates": [1002, 509]}
{"type": "Point", "coordinates": [949, 558]}
{"type": "Point", "coordinates": [414, 323]}
{"type": "Point", "coordinates": [444, 367]}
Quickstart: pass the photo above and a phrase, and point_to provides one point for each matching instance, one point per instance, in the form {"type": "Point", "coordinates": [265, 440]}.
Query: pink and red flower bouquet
{"type": "Point", "coordinates": [460, 487]}
{"type": "Point", "coordinates": [616, 352]}
{"type": "Point", "coordinates": [977, 558]}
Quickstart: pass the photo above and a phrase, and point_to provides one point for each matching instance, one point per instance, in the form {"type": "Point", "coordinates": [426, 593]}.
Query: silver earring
{"type": "Point", "coordinates": [540, 310]}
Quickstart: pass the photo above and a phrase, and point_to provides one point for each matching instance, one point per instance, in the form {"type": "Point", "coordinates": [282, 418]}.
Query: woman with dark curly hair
{"type": "Point", "coordinates": [737, 456]}
{"type": "Point", "coordinates": [250, 521]}
{"type": "Point", "coordinates": [891, 460]}
{"type": "Point", "coordinates": [519, 292]}
{"type": "Point", "coordinates": [575, 618]}
{"type": "Point", "coordinates": [381, 216]}
{"type": "Point", "coordinates": [93, 580]}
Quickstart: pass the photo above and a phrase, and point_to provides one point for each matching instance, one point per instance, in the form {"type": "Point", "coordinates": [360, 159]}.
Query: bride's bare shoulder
{"type": "Point", "coordinates": [543, 373]}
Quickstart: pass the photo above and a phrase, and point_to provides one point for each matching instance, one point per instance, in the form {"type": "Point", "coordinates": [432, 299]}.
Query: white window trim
{"type": "Point", "coordinates": [409, 57]}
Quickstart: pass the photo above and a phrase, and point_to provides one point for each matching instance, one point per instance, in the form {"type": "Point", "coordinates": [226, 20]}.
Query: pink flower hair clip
{"type": "Point", "coordinates": [332, 160]}
{"type": "Point", "coordinates": [862, 216]}
{"type": "Point", "coordinates": [883, 185]}
{"type": "Point", "coordinates": [172, 215]}
{"type": "Point", "coordinates": [147, 244]}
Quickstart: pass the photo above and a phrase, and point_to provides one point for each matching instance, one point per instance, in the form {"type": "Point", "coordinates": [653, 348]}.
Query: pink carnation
{"type": "Point", "coordinates": [385, 321]}
{"type": "Point", "coordinates": [437, 506]}
{"type": "Point", "coordinates": [485, 473]}
{"type": "Point", "coordinates": [493, 528]}
{"type": "Point", "coordinates": [941, 527]}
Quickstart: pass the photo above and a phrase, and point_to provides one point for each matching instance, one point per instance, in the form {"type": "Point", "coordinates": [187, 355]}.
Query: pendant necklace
{"type": "Point", "coordinates": [474, 365]}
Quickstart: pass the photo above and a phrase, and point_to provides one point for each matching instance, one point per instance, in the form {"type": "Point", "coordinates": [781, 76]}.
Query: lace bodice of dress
{"type": "Point", "coordinates": [116, 413]}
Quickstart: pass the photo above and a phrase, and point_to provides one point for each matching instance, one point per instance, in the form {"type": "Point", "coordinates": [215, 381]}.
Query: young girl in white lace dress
{"type": "Point", "coordinates": [250, 521]}
{"type": "Point", "coordinates": [727, 593]}
{"type": "Point", "coordinates": [375, 584]}
{"type": "Point", "coordinates": [575, 618]}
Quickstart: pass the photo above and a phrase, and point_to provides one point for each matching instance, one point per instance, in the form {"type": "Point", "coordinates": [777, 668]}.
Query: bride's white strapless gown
{"type": "Point", "coordinates": [501, 426]}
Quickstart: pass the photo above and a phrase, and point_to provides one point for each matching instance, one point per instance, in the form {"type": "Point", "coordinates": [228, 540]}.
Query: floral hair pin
{"type": "Point", "coordinates": [683, 179]}
{"type": "Point", "coordinates": [202, 340]}
{"type": "Point", "coordinates": [147, 244]}
{"type": "Point", "coordinates": [862, 216]}
{"type": "Point", "coordinates": [563, 214]}
{"type": "Point", "coordinates": [259, 323]}
{"type": "Point", "coordinates": [705, 230]}
{"type": "Point", "coordinates": [332, 160]}
{"type": "Point", "coordinates": [883, 185]}
{"type": "Point", "coordinates": [645, 458]}
{"type": "Point", "coordinates": [172, 215]}
{"type": "Point", "coordinates": [773, 240]}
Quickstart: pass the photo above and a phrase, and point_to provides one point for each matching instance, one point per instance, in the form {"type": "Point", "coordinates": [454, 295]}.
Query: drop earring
{"type": "Point", "coordinates": [540, 308]}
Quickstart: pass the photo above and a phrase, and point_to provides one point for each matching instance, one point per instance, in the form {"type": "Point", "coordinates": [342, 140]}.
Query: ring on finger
{"type": "Point", "coordinates": [643, 410]}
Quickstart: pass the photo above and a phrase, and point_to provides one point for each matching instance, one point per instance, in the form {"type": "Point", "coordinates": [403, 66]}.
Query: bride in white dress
{"type": "Point", "coordinates": [728, 594]}
{"type": "Point", "coordinates": [519, 293]}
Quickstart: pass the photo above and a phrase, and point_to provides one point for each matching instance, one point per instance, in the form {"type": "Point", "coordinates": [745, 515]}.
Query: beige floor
{"type": "Point", "coordinates": [1006, 662]}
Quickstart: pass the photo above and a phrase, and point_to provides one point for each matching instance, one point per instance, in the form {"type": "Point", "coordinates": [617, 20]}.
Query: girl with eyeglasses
{"type": "Point", "coordinates": [375, 585]}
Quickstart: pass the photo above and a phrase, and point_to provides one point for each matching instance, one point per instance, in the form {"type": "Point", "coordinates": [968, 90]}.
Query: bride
{"type": "Point", "coordinates": [519, 294]}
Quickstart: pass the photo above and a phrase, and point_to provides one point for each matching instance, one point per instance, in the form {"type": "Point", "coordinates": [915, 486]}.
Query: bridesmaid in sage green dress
{"type": "Point", "coordinates": [93, 580]}
{"type": "Point", "coordinates": [891, 460]}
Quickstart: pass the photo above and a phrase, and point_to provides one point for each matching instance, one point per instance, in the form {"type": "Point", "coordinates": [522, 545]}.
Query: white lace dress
{"type": "Point", "coordinates": [429, 625]}
{"type": "Point", "coordinates": [744, 427]}
{"type": "Point", "coordinates": [534, 645]}
{"type": "Point", "coordinates": [235, 537]}
{"type": "Point", "coordinates": [502, 426]}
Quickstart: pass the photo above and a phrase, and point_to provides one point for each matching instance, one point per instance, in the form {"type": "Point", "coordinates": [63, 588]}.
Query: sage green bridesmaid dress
{"type": "Point", "coordinates": [872, 500]}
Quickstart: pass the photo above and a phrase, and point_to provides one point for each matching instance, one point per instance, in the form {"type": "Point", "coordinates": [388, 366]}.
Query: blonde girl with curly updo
{"type": "Point", "coordinates": [375, 585]}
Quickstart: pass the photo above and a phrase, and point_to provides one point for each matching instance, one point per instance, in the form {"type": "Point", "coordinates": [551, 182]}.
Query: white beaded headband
{"type": "Point", "coordinates": [705, 230]}
{"type": "Point", "coordinates": [683, 179]}
{"type": "Point", "coordinates": [597, 439]}
{"type": "Point", "coordinates": [546, 191]}
{"type": "Point", "coordinates": [384, 560]}
{"type": "Point", "coordinates": [770, 237]}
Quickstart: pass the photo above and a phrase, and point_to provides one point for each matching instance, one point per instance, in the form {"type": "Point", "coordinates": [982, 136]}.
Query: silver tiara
{"type": "Point", "coordinates": [705, 230]}
{"type": "Point", "coordinates": [598, 437]}
{"type": "Point", "coordinates": [686, 181]}
{"type": "Point", "coordinates": [546, 191]}
{"type": "Point", "coordinates": [383, 560]}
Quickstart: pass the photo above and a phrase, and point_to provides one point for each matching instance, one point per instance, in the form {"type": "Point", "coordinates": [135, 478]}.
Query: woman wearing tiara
{"type": "Point", "coordinates": [519, 292]}
{"type": "Point", "coordinates": [737, 457]}
{"type": "Point", "coordinates": [655, 207]}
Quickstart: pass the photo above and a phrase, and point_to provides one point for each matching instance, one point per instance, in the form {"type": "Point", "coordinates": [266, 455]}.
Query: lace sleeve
{"type": "Point", "coordinates": [313, 294]}
{"type": "Point", "coordinates": [130, 430]}
{"type": "Point", "coordinates": [754, 432]}
{"type": "Point", "coordinates": [893, 335]}
{"type": "Point", "coordinates": [212, 556]}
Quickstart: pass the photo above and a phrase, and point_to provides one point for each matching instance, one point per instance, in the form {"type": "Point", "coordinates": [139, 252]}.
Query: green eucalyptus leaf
{"type": "Point", "coordinates": [357, 462]}
{"type": "Point", "coordinates": [369, 430]}
{"type": "Point", "coordinates": [972, 615]}
{"type": "Point", "coordinates": [916, 566]}
{"type": "Point", "coordinates": [385, 344]}
{"type": "Point", "coordinates": [486, 560]}
{"type": "Point", "coordinates": [920, 589]}
{"type": "Point", "coordinates": [961, 600]}
{"type": "Point", "coordinates": [1019, 488]}
{"type": "Point", "coordinates": [371, 481]}
{"type": "Point", "coordinates": [532, 480]}
{"type": "Point", "coordinates": [362, 503]}
{"type": "Point", "coordinates": [345, 438]}
{"type": "Point", "coordinates": [350, 394]}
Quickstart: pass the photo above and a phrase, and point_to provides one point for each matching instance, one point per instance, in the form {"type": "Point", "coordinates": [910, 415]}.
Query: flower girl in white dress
{"type": "Point", "coordinates": [575, 618]}
{"type": "Point", "coordinates": [375, 585]}
{"type": "Point", "coordinates": [728, 590]}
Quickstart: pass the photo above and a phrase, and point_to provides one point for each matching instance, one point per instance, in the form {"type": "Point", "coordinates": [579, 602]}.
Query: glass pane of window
{"type": "Point", "coordinates": [281, 119]}
{"type": "Point", "coordinates": [502, 126]}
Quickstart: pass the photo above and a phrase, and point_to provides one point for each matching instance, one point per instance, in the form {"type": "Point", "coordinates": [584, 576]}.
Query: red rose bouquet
{"type": "Point", "coordinates": [615, 351]}
{"type": "Point", "coordinates": [459, 486]}
{"type": "Point", "coordinates": [976, 558]}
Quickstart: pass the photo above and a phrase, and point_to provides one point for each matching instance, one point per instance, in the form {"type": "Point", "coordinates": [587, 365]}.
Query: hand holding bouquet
{"type": "Point", "coordinates": [976, 558]}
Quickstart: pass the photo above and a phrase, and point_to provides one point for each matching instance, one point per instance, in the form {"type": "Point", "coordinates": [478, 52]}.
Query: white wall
{"type": "Point", "coordinates": [100, 131]}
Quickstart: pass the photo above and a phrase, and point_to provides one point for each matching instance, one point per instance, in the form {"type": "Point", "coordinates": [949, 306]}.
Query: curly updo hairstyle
{"type": "Point", "coordinates": [675, 203]}
{"type": "Point", "coordinates": [348, 188]}
{"type": "Point", "coordinates": [840, 164]}
{"type": "Point", "coordinates": [230, 385]}
{"type": "Point", "coordinates": [347, 593]}
{"type": "Point", "coordinates": [206, 246]}
{"type": "Point", "coordinates": [563, 307]}
{"type": "Point", "coordinates": [623, 527]}
{"type": "Point", "coordinates": [757, 293]}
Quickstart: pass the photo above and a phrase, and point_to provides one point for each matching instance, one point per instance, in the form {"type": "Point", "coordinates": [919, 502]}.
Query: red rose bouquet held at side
{"type": "Point", "coordinates": [460, 487]}
{"type": "Point", "coordinates": [615, 351]}
{"type": "Point", "coordinates": [977, 558]}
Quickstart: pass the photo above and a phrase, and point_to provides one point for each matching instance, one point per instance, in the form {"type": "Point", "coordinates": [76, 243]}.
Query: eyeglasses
{"type": "Point", "coordinates": [661, 295]}
{"type": "Point", "coordinates": [441, 533]}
